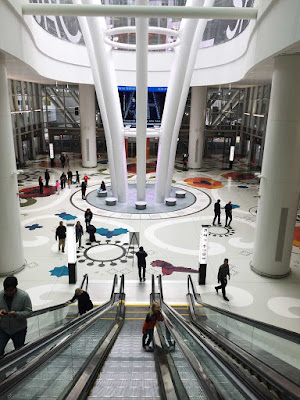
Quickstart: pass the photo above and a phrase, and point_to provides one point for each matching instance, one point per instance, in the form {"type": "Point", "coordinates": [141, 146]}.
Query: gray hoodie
{"type": "Point", "coordinates": [21, 304]}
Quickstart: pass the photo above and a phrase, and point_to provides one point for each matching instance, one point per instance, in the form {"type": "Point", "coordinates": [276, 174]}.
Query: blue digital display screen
{"type": "Point", "coordinates": [133, 89]}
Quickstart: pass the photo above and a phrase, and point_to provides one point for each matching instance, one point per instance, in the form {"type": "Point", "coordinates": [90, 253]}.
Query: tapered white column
{"type": "Point", "coordinates": [106, 70]}
{"type": "Point", "coordinates": [175, 100]}
{"type": "Point", "coordinates": [141, 101]}
{"type": "Point", "coordinates": [11, 245]}
{"type": "Point", "coordinates": [197, 126]}
{"type": "Point", "coordinates": [181, 76]}
{"type": "Point", "coordinates": [87, 107]}
{"type": "Point", "coordinates": [280, 181]}
{"type": "Point", "coordinates": [90, 49]}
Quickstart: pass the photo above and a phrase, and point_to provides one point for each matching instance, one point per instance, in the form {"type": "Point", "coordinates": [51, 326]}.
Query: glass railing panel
{"type": "Point", "coordinates": [216, 374]}
{"type": "Point", "coordinates": [279, 353]}
{"type": "Point", "coordinates": [106, 320]}
{"type": "Point", "coordinates": [52, 378]}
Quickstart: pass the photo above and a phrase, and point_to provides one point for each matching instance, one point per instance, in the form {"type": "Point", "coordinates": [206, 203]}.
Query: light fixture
{"type": "Point", "coordinates": [219, 91]}
{"type": "Point", "coordinates": [258, 115]}
{"type": "Point", "coordinates": [229, 92]}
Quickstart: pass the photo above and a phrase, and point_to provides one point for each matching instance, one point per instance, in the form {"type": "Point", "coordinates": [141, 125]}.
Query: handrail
{"type": "Point", "coordinates": [47, 309]}
{"type": "Point", "coordinates": [152, 294]}
{"type": "Point", "coordinates": [275, 330]}
{"type": "Point", "coordinates": [115, 282]}
{"type": "Point", "coordinates": [121, 291]}
{"type": "Point", "coordinates": [160, 288]}
{"type": "Point", "coordinates": [85, 278]}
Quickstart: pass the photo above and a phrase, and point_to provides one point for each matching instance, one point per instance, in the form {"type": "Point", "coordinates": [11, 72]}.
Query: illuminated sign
{"type": "Point", "coordinates": [51, 150]}
{"type": "Point", "coordinates": [231, 155]}
{"type": "Point", "coordinates": [203, 245]}
{"type": "Point", "coordinates": [133, 89]}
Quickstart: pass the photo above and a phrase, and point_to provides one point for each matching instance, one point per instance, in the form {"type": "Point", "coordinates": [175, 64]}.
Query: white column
{"type": "Point", "coordinates": [90, 49]}
{"type": "Point", "coordinates": [110, 93]}
{"type": "Point", "coordinates": [11, 245]}
{"type": "Point", "coordinates": [87, 109]}
{"type": "Point", "coordinates": [178, 87]}
{"type": "Point", "coordinates": [280, 182]}
{"type": "Point", "coordinates": [197, 126]}
{"type": "Point", "coordinates": [141, 101]}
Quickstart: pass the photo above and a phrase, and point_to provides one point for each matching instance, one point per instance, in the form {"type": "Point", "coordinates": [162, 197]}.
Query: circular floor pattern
{"type": "Point", "coordinates": [35, 192]}
{"type": "Point", "coordinates": [220, 231]}
{"type": "Point", "coordinates": [196, 200]}
{"type": "Point", "coordinates": [105, 252]}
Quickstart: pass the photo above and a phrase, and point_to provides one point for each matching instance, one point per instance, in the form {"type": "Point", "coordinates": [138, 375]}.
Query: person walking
{"type": "Point", "coordinates": [86, 178]}
{"type": "Point", "coordinates": [83, 190]}
{"type": "Point", "coordinates": [15, 308]}
{"type": "Point", "coordinates": [77, 179]}
{"type": "Point", "coordinates": [41, 185]}
{"type": "Point", "coordinates": [67, 161]}
{"type": "Point", "coordinates": [63, 179]}
{"type": "Point", "coordinates": [47, 177]}
{"type": "Point", "coordinates": [228, 213]}
{"type": "Point", "coordinates": [88, 215]}
{"type": "Point", "coordinates": [217, 210]}
{"type": "Point", "coordinates": [57, 184]}
{"type": "Point", "coordinates": [152, 317]}
{"type": "Point", "coordinates": [84, 302]}
{"type": "Point", "coordinates": [222, 278]}
{"type": "Point", "coordinates": [141, 256]}
{"type": "Point", "coordinates": [69, 175]}
{"type": "Point", "coordinates": [62, 160]}
{"type": "Point", "coordinates": [79, 233]}
{"type": "Point", "coordinates": [61, 235]}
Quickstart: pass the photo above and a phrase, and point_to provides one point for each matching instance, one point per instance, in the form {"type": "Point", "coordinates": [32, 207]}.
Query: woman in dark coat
{"type": "Point", "coordinates": [84, 301]}
{"type": "Point", "coordinates": [41, 185]}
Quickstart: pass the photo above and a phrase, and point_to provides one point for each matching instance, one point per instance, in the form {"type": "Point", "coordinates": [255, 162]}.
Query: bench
{"type": "Point", "coordinates": [111, 201]}
{"type": "Point", "coordinates": [140, 205]}
{"type": "Point", "coordinates": [72, 255]}
{"type": "Point", "coordinates": [102, 193]}
{"type": "Point", "coordinates": [170, 201]}
{"type": "Point", "coordinates": [180, 194]}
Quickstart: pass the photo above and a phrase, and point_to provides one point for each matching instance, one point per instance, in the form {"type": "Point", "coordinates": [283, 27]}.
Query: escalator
{"type": "Point", "coordinates": [270, 354]}
{"type": "Point", "coordinates": [99, 355]}
{"type": "Point", "coordinates": [102, 357]}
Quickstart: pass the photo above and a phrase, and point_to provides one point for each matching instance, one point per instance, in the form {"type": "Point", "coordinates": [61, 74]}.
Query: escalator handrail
{"type": "Point", "coordinates": [85, 278]}
{"type": "Point", "coordinates": [31, 346]}
{"type": "Point", "coordinates": [15, 378]}
{"type": "Point", "coordinates": [160, 288]}
{"type": "Point", "coordinates": [261, 369]}
{"type": "Point", "coordinates": [275, 330]}
{"type": "Point", "coordinates": [121, 290]}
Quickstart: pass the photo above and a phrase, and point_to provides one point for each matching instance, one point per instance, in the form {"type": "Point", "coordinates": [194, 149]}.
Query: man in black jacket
{"type": "Point", "coordinates": [141, 256]}
{"type": "Point", "coordinates": [47, 177]}
{"type": "Point", "coordinates": [228, 212]}
{"type": "Point", "coordinates": [222, 278]}
{"type": "Point", "coordinates": [217, 210]}
{"type": "Point", "coordinates": [61, 235]}
{"type": "Point", "coordinates": [88, 215]}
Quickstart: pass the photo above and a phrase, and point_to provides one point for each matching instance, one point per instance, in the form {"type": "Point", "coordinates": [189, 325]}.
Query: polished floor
{"type": "Point", "coordinates": [171, 239]}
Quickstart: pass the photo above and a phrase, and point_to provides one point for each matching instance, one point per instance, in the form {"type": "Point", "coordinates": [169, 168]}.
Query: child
{"type": "Point", "coordinates": [69, 184]}
{"type": "Point", "coordinates": [57, 187]}
{"type": "Point", "coordinates": [150, 322]}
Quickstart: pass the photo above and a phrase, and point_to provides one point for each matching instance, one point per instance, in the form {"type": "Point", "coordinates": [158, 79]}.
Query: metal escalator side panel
{"type": "Point", "coordinates": [170, 382]}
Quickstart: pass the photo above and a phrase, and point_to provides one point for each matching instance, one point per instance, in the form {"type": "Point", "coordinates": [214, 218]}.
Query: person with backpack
{"type": "Point", "coordinates": [152, 317]}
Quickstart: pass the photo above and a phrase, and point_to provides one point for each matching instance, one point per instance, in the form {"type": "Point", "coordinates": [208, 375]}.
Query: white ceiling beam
{"type": "Point", "coordinates": [88, 10]}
